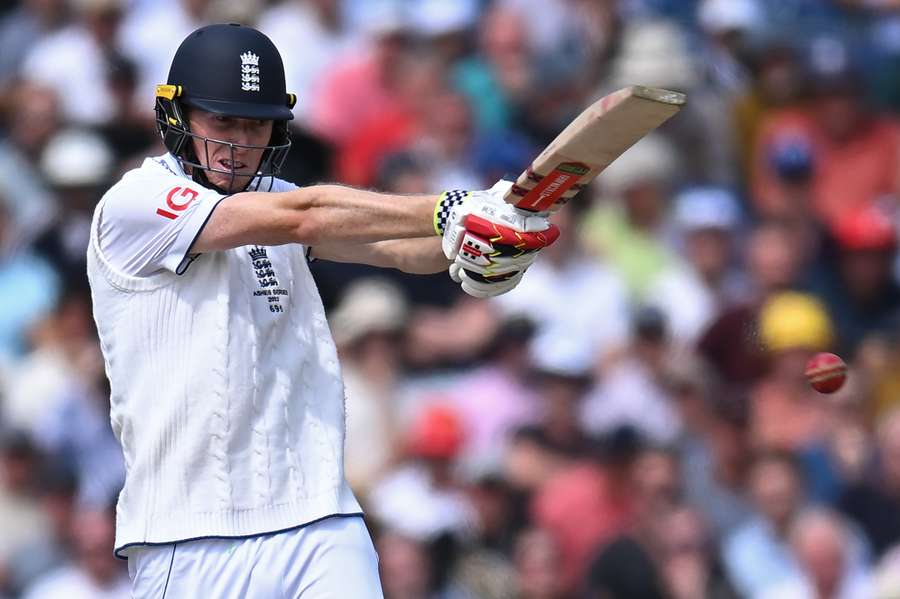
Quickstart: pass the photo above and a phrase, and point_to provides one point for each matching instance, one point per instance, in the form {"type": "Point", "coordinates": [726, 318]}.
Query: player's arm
{"type": "Point", "coordinates": [490, 243]}
{"type": "Point", "coordinates": [320, 215]}
{"type": "Point", "coordinates": [420, 255]}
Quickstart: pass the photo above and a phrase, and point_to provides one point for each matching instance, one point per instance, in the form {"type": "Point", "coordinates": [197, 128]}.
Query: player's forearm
{"type": "Point", "coordinates": [420, 256]}
{"type": "Point", "coordinates": [315, 216]}
{"type": "Point", "coordinates": [332, 214]}
{"type": "Point", "coordinates": [415, 256]}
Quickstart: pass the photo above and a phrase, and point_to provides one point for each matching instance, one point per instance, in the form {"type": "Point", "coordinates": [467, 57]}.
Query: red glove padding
{"type": "Point", "coordinates": [493, 257]}
{"type": "Point", "coordinates": [490, 248]}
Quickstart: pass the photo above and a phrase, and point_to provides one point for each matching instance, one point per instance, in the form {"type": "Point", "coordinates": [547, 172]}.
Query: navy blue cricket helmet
{"type": "Point", "coordinates": [232, 70]}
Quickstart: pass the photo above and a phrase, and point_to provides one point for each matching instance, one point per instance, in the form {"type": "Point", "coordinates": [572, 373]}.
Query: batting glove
{"type": "Point", "coordinates": [479, 286]}
{"type": "Point", "coordinates": [490, 242]}
{"type": "Point", "coordinates": [454, 207]}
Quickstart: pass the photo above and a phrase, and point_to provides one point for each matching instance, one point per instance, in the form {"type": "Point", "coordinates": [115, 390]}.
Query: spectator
{"type": "Point", "coordinates": [656, 51]}
{"type": "Point", "coordinates": [774, 261]}
{"type": "Point", "coordinates": [64, 352]}
{"type": "Point", "coordinates": [588, 502]}
{"type": "Point", "coordinates": [58, 500]}
{"type": "Point", "coordinates": [28, 288]}
{"type": "Point", "coordinates": [425, 119]}
{"type": "Point", "coordinates": [785, 412]}
{"type": "Point", "coordinates": [367, 326]}
{"type": "Point", "coordinates": [21, 519]}
{"type": "Point", "coordinates": [627, 226]}
{"type": "Point", "coordinates": [396, 128]}
{"type": "Point", "coordinates": [564, 272]}
{"type": "Point", "coordinates": [531, 459]}
{"type": "Point", "coordinates": [844, 449]}
{"type": "Point", "coordinates": [706, 220]}
{"type": "Point", "coordinates": [131, 130]}
{"type": "Point", "coordinates": [757, 555]}
{"type": "Point", "coordinates": [821, 545]}
{"type": "Point", "coordinates": [655, 476]}
{"type": "Point", "coordinates": [712, 446]}
{"type": "Point", "coordinates": [483, 566]}
{"type": "Point", "coordinates": [497, 79]}
{"type": "Point", "coordinates": [407, 568]}
{"type": "Point", "coordinates": [445, 335]}
{"type": "Point", "coordinates": [311, 36]}
{"type": "Point", "coordinates": [730, 26]}
{"type": "Point", "coordinates": [362, 84]}
{"type": "Point", "coordinates": [95, 572]}
{"type": "Point", "coordinates": [423, 498]}
{"type": "Point", "coordinates": [77, 54]}
{"type": "Point", "coordinates": [625, 565]}
{"type": "Point", "coordinates": [505, 378]}
{"type": "Point", "coordinates": [561, 378]}
{"type": "Point", "coordinates": [854, 151]}
{"type": "Point", "coordinates": [879, 357]}
{"type": "Point", "coordinates": [444, 26]}
{"type": "Point", "coordinates": [538, 562]}
{"type": "Point", "coordinates": [32, 119]}
{"type": "Point", "coordinates": [632, 390]}
{"type": "Point", "coordinates": [29, 21]}
{"type": "Point", "coordinates": [77, 164]}
{"type": "Point", "coordinates": [624, 569]}
{"type": "Point", "coordinates": [874, 502]}
{"type": "Point", "coordinates": [860, 290]}
{"type": "Point", "coordinates": [570, 39]}
{"type": "Point", "coordinates": [76, 433]}
{"type": "Point", "coordinates": [448, 142]}
{"type": "Point", "coordinates": [148, 36]}
{"type": "Point", "coordinates": [777, 83]}
{"type": "Point", "coordinates": [499, 518]}
{"type": "Point", "coordinates": [688, 559]}
{"type": "Point", "coordinates": [886, 579]}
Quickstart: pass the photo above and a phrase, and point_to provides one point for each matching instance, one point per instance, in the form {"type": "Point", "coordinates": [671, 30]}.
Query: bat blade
{"type": "Point", "coordinates": [590, 143]}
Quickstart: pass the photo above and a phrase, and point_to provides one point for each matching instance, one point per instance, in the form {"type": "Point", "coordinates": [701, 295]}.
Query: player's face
{"type": "Point", "coordinates": [243, 163]}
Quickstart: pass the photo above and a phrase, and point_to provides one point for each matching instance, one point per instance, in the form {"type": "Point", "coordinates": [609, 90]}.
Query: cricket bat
{"type": "Point", "coordinates": [590, 143]}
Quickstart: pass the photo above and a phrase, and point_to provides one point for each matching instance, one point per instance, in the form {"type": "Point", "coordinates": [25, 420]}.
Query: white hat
{"type": "Point", "coordinates": [439, 17]}
{"type": "Point", "coordinates": [559, 352]}
{"type": "Point", "coordinates": [75, 158]}
{"type": "Point", "coordinates": [652, 158]}
{"type": "Point", "coordinates": [385, 17]}
{"type": "Point", "coordinates": [886, 579]}
{"type": "Point", "coordinates": [368, 306]}
{"type": "Point", "coordinates": [654, 53]}
{"type": "Point", "coordinates": [706, 208]}
{"type": "Point", "coordinates": [98, 6]}
{"type": "Point", "coordinates": [718, 16]}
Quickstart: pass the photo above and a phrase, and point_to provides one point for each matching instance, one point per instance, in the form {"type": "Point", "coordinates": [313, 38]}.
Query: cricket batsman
{"type": "Point", "coordinates": [226, 393]}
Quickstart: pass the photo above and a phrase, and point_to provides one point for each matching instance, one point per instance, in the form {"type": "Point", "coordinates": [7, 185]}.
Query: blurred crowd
{"type": "Point", "coordinates": [633, 420]}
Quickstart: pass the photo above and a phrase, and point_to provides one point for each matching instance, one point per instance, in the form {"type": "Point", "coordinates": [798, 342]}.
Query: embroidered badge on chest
{"type": "Point", "coordinates": [267, 280]}
{"type": "Point", "coordinates": [249, 72]}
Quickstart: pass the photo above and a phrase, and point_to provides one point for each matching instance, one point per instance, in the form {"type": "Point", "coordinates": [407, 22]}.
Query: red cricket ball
{"type": "Point", "coordinates": [826, 372]}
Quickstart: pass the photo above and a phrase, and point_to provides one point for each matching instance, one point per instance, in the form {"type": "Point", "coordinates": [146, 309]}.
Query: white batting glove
{"type": "Point", "coordinates": [455, 206]}
{"type": "Point", "coordinates": [490, 242]}
{"type": "Point", "coordinates": [482, 287]}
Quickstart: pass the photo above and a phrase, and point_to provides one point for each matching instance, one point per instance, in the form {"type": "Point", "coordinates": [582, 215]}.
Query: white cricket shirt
{"type": "Point", "coordinates": [226, 393]}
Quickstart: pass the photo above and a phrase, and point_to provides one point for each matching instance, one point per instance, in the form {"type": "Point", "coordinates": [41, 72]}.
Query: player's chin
{"type": "Point", "coordinates": [229, 182]}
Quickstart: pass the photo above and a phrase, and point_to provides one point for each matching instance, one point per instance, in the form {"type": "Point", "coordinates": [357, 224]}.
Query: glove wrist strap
{"type": "Point", "coordinates": [446, 201]}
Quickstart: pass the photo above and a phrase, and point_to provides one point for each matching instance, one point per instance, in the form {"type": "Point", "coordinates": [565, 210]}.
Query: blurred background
{"type": "Point", "coordinates": [632, 421]}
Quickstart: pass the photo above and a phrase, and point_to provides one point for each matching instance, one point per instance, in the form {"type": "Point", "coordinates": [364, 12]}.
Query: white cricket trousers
{"type": "Point", "coordinates": [330, 559]}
